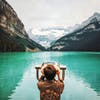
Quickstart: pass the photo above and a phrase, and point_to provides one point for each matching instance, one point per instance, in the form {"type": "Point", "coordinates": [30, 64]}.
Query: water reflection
{"type": "Point", "coordinates": [84, 65]}
{"type": "Point", "coordinates": [27, 89]}
{"type": "Point", "coordinates": [18, 77]}
{"type": "Point", "coordinates": [12, 67]}
{"type": "Point", "coordinates": [75, 88]}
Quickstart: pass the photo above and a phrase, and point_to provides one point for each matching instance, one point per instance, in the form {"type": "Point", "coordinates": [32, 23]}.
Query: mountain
{"type": "Point", "coordinates": [45, 36]}
{"type": "Point", "coordinates": [85, 37]}
{"type": "Point", "coordinates": [13, 36]}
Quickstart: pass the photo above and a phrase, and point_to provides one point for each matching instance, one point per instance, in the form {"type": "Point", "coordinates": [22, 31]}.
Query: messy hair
{"type": "Point", "coordinates": [49, 72]}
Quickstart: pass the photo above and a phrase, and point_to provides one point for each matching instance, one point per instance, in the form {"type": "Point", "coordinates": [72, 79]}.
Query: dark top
{"type": "Point", "coordinates": [50, 90]}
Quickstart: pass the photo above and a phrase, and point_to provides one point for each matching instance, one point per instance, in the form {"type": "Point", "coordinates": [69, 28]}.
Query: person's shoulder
{"type": "Point", "coordinates": [58, 82]}
{"type": "Point", "coordinates": [40, 82]}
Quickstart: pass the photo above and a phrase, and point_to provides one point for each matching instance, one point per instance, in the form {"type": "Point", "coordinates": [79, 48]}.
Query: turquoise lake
{"type": "Point", "coordinates": [18, 75]}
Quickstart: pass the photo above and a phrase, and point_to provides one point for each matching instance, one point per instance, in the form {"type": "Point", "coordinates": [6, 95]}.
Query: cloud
{"type": "Point", "coordinates": [44, 13]}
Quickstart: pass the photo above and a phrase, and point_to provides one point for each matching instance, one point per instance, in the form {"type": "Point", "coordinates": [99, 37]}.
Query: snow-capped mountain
{"type": "Point", "coordinates": [45, 36]}
{"type": "Point", "coordinates": [86, 37]}
{"type": "Point", "coordinates": [64, 37]}
{"type": "Point", "coordinates": [94, 18]}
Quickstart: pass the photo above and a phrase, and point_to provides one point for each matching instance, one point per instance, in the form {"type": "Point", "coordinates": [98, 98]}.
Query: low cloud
{"type": "Point", "coordinates": [43, 13]}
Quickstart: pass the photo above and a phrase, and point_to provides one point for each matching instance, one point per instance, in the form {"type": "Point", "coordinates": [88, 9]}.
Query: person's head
{"type": "Point", "coordinates": [49, 72]}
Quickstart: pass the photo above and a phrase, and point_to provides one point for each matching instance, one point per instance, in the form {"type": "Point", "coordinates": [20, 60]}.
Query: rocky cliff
{"type": "Point", "coordinates": [13, 36]}
{"type": "Point", "coordinates": [86, 37]}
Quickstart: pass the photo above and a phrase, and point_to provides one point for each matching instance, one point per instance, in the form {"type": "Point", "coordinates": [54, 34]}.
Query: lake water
{"type": "Point", "coordinates": [18, 76]}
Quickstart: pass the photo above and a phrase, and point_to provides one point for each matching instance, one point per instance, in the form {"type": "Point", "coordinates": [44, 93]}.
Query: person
{"type": "Point", "coordinates": [50, 88]}
{"type": "Point", "coordinates": [57, 67]}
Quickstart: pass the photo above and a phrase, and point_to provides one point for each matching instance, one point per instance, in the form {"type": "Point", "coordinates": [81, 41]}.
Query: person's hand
{"type": "Point", "coordinates": [58, 72]}
{"type": "Point", "coordinates": [42, 77]}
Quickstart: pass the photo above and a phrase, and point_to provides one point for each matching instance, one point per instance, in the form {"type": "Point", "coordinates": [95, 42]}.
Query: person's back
{"type": "Point", "coordinates": [50, 89]}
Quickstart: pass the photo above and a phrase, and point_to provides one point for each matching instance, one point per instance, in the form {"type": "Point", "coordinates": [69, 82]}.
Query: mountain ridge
{"type": "Point", "coordinates": [13, 36]}
{"type": "Point", "coordinates": [82, 38]}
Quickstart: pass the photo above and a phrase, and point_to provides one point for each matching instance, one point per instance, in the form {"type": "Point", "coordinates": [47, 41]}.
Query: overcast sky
{"type": "Point", "coordinates": [48, 13]}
